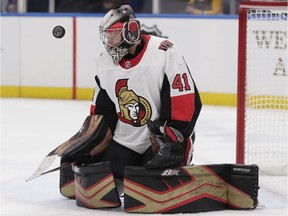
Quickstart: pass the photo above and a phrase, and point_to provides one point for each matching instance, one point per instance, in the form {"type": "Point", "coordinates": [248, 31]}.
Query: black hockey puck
{"type": "Point", "coordinates": [58, 32]}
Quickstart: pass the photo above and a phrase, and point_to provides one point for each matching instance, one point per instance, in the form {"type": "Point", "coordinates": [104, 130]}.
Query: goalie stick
{"type": "Point", "coordinates": [45, 164]}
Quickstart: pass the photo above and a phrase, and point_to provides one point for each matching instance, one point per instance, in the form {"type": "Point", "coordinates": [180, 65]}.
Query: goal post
{"type": "Point", "coordinates": [262, 92]}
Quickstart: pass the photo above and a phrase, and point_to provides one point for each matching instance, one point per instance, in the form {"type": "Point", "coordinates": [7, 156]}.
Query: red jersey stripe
{"type": "Point", "coordinates": [182, 107]}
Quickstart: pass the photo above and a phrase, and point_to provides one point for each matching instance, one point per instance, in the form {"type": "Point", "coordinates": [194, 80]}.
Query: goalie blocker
{"type": "Point", "coordinates": [191, 189]}
{"type": "Point", "coordinates": [86, 145]}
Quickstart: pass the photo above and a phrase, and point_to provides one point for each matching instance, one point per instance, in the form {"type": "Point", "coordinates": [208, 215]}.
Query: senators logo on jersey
{"type": "Point", "coordinates": [134, 109]}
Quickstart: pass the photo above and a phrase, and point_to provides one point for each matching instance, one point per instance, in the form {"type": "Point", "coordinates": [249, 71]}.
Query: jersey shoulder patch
{"type": "Point", "coordinates": [166, 44]}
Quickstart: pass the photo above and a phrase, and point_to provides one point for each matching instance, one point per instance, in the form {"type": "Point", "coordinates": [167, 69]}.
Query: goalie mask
{"type": "Point", "coordinates": [119, 30]}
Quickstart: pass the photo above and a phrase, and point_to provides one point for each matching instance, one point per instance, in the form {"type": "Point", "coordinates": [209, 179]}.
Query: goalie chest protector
{"type": "Point", "coordinates": [191, 189]}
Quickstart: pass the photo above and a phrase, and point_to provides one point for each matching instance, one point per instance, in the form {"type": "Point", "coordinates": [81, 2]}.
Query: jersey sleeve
{"type": "Point", "coordinates": [103, 105]}
{"type": "Point", "coordinates": [180, 100]}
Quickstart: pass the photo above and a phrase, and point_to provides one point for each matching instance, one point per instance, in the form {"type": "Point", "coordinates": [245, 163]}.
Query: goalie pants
{"type": "Point", "coordinates": [119, 156]}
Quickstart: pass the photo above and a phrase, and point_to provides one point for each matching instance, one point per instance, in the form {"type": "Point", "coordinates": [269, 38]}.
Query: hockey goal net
{"type": "Point", "coordinates": [262, 108]}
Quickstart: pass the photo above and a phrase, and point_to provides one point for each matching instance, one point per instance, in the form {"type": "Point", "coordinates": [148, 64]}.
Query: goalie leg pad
{"type": "Point", "coordinates": [245, 178]}
{"type": "Point", "coordinates": [190, 189]}
{"type": "Point", "coordinates": [67, 183]}
{"type": "Point", "coordinates": [95, 186]}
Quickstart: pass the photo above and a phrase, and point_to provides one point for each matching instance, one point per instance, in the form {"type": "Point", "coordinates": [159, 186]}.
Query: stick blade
{"type": "Point", "coordinates": [44, 165]}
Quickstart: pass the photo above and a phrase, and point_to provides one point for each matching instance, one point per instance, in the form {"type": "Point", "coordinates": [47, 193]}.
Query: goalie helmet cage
{"type": "Point", "coordinates": [262, 107]}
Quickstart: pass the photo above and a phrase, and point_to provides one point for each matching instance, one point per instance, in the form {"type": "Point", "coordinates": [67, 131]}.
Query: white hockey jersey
{"type": "Point", "coordinates": [156, 84]}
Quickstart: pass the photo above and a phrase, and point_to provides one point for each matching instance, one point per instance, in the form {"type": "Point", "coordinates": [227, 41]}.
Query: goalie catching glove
{"type": "Point", "coordinates": [167, 145]}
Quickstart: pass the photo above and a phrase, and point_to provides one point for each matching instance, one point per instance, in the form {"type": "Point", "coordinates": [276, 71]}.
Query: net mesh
{"type": "Point", "coordinates": [266, 100]}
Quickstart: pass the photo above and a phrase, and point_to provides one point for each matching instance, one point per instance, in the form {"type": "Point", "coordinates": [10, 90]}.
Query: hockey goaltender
{"type": "Point", "coordinates": [138, 140]}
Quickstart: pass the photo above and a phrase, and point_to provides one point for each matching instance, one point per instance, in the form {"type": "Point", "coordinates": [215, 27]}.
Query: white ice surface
{"type": "Point", "coordinates": [30, 128]}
